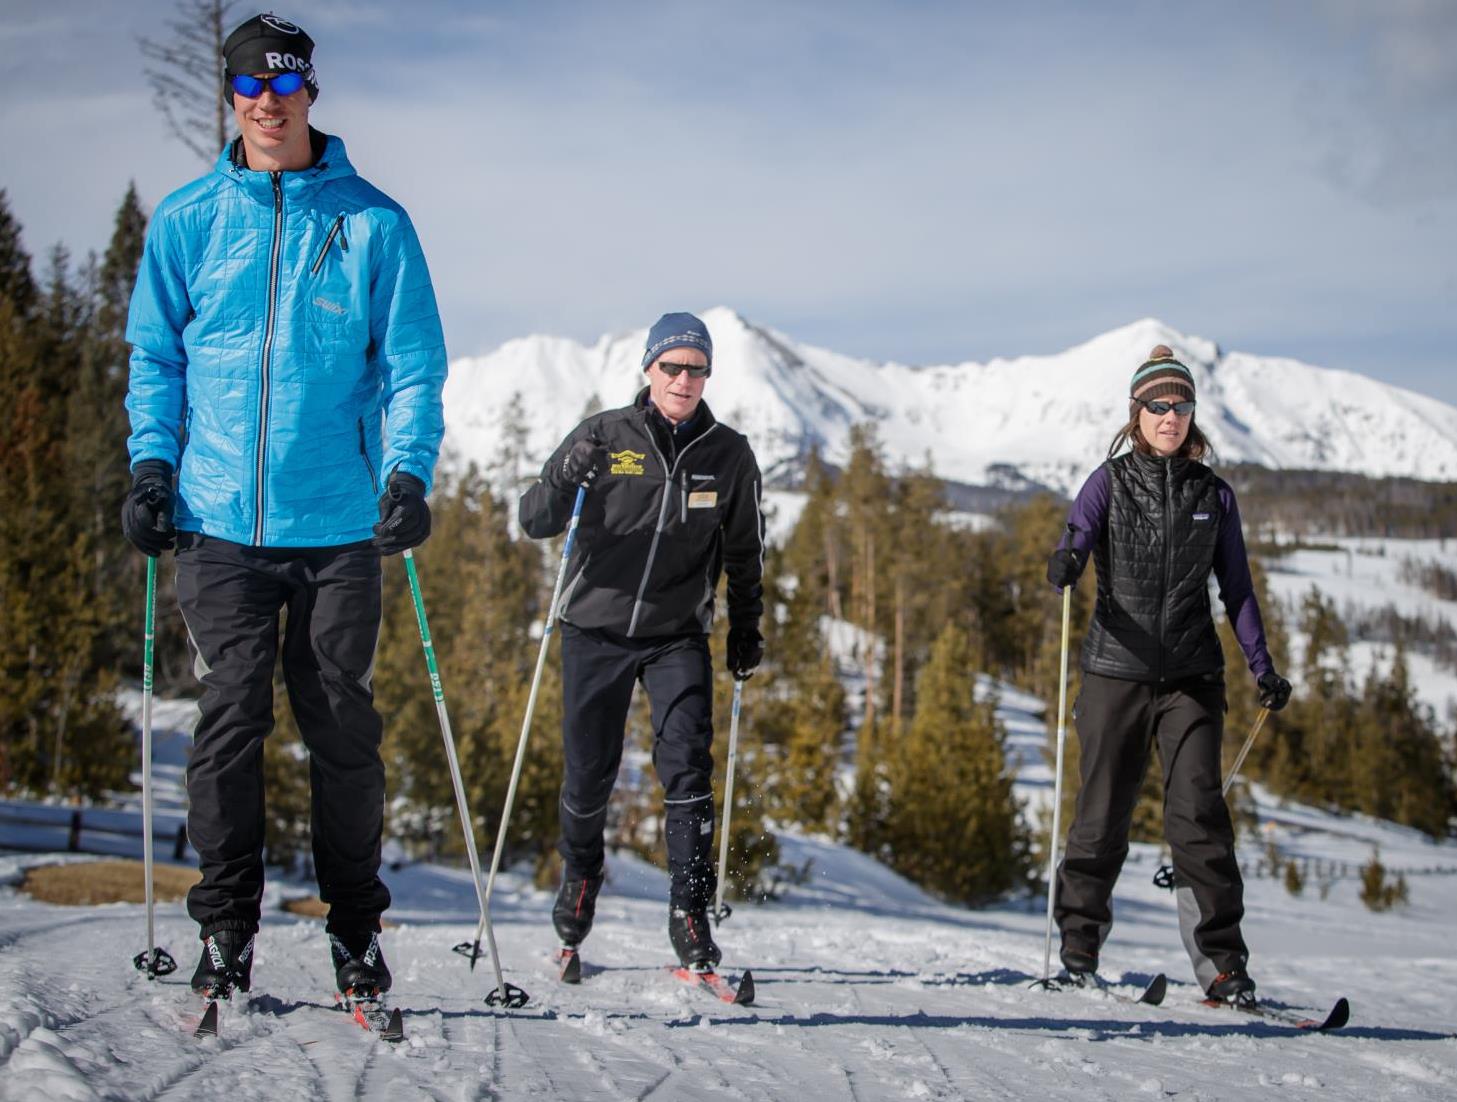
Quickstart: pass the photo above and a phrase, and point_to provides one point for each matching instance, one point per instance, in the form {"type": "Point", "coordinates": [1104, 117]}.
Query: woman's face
{"type": "Point", "coordinates": [1167, 431]}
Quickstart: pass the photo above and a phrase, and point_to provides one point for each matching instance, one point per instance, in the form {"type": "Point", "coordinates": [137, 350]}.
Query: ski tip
{"type": "Point", "coordinates": [1340, 1014]}
{"type": "Point", "coordinates": [208, 1027]}
{"type": "Point", "coordinates": [1153, 995]}
{"type": "Point", "coordinates": [745, 994]}
{"type": "Point", "coordinates": [394, 1030]}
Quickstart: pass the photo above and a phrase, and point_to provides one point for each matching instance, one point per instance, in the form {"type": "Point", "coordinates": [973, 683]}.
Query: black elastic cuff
{"type": "Point", "coordinates": [407, 482]}
{"type": "Point", "coordinates": [152, 470]}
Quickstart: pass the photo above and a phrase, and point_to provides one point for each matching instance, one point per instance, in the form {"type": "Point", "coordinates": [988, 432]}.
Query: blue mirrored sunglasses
{"type": "Point", "coordinates": [284, 84]}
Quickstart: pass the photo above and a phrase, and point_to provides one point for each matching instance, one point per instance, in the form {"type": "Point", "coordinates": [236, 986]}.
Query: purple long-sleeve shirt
{"type": "Point", "coordinates": [1089, 516]}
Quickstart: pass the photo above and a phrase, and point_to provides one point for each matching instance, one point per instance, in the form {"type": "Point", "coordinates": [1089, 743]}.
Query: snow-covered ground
{"type": "Point", "coordinates": [867, 989]}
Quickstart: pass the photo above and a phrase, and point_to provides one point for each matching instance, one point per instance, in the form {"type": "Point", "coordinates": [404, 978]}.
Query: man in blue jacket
{"type": "Point", "coordinates": [287, 366]}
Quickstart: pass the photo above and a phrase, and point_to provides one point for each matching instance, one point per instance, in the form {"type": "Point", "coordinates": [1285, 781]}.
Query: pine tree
{"type": "Point", "coordinates": [96, 461]}
{"type": "Point", "coordinates": [954, 825]}
{"type": "Point", "coordinates": [868, 809]}
{"type": "Point", "coordinates": [60, 728]}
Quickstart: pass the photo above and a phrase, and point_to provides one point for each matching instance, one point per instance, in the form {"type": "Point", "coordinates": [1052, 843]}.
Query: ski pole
{"type": "Point", "coordinates": [551, 615]}
{"type": "Point", "coordinates": [513, 996]}
{"type": "Point", "coordinates": [155, 961]}
{"type": "Point", "coordinates": [1067, 604]}
{"type": "Point", "coordinates": [721, 909]}
{"type": "Point", "coordinates": [1245, 749]}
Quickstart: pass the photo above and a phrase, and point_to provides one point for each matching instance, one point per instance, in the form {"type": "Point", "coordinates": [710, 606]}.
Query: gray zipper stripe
{"type": "Point", "coordinates": [333, 233]}
{"type": "Point", "coordinates": [268, 357]}
{"type": "Point", "coordinates": [582, 814]}
{"type": "Point", "coordinates": [691, 799]}
{"type": "Point", "coordinates": [662, 519]}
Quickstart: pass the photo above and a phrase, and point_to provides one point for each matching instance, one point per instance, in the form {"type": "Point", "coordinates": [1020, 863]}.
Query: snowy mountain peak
{"type": "Point", "coordinates": [1046, 419]}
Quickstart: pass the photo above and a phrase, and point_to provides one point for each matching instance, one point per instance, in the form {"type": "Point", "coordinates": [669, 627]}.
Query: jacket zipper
{"type": "Point", "coordinates": [364, 451]}
{"type": "Point", "coordinates": [334, 231]}
{"type": "Point", "coordinates": [1168, 564]}
{"type": "Point", "coordinates": [671, 472]}
{"type": "Point", "coordinates": [264, 396]}
{"type": "Point", "coordinates": [685, 498]}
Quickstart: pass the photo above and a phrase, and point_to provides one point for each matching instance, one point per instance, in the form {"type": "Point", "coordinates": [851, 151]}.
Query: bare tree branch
{"type": "Point", "coordinates": [186, 76]}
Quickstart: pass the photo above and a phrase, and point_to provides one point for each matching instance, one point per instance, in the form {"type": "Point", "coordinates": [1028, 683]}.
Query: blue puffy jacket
{"type": "Point", "coordinates": [287, 355]}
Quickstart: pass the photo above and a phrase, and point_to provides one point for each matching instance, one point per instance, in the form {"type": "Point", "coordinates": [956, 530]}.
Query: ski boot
{"type": "Point", "coordinates": [1234, 986]}
{"type": "Point", "coordinates": [226, 963]}
{"type": "Point", "coordinates": [1081, 964]}
{"type": "Point", "coordinates": [359, 967]}
{"type": "Point", "coordinates": [576, 904]}
{"type": "Point", "coordinates": [692, 939]}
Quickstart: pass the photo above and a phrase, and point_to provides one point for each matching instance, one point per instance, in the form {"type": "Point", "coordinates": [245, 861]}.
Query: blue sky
{"type": "Point", "coordinates": [927, 182]}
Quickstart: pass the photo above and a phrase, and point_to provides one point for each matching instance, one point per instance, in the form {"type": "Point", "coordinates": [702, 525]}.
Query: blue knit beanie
{"type": "Point", "coordinates": [677, 331]}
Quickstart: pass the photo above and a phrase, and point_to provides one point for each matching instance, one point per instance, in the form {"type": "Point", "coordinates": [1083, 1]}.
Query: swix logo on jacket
{"type": "Point", "coordinates": [651, 546]}
{"type": "Point", "coordinates": [286, 352]}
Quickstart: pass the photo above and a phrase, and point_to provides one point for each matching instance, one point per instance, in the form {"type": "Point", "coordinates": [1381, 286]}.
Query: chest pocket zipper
{"type": "Point", "coordinates": [336, 230]}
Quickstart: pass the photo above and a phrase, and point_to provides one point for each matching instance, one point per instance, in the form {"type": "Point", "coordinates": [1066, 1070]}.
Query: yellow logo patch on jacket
{"type": "Point", "coordinates": [627, 461]}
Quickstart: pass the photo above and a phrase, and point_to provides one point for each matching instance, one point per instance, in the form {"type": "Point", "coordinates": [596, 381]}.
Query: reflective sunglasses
{"type": "Point", "coordinates": [1158, 407]}
{"type": "Point", "coordinates": [284, 84]}
{"type": "Point", "coordinates": [672, 370]}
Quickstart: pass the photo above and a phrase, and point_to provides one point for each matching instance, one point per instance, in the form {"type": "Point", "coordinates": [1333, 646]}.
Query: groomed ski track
{"type": "Point", "coordinates": [867, 990]}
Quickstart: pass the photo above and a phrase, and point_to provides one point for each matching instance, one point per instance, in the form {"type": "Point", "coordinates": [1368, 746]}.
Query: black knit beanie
{"type": "Point", "coordinates": [268, 44]}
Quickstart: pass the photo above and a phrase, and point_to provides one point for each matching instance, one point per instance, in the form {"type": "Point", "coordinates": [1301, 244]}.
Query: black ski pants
{"type": "Point", "coordinates": [1117, 723]}
{"type": "Point", "coordinates": [231, 597]}
{"type": "Point", "coordinates": [599, 669]}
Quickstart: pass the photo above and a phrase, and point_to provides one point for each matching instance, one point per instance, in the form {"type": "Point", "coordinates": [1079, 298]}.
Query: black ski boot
{"type": "Point", "coordinates": [1080, 963]}
{"type": "Point", "coordinates": [576, 904]}
{"type": "Point", "coordinates": [692, 939]}
{"type": "Point", "coordinates": [1234, 986]}
{"type": "Point", "coordinates": [359, 967]}
{"type": "Point", "coordinates": [226, 964]}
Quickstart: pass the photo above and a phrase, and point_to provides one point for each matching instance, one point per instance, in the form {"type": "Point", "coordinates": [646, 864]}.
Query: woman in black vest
{"type": "Point", "coordinates": [1158, 522]}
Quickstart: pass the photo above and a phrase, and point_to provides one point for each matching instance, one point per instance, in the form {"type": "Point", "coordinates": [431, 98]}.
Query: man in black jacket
{"type": "Point", "coordinates": [673, 501]}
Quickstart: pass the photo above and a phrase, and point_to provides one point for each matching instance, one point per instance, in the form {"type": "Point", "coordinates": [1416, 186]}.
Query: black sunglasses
{"type": "Point", "coordinates": [1158, 407]}
{"type": "Point", "coordinates": [672, 370]}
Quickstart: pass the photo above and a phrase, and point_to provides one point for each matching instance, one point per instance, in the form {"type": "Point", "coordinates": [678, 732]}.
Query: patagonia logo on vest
{"type": "Point", "coordinates": [627, 461]}
{"type": "Point", "coordinates": [1201, 516]}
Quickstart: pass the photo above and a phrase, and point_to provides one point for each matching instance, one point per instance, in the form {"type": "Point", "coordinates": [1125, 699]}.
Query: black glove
{"type": "Point", "coordinates": [404, 517]}
{"type": "Point", "coordinates": [1064, 567]}
{"type": "Point", "coordinates": [581, 466]}
{"type": "Point", "coordinates": [744, 652]}
{"type": "Point", "coordinates": [1274, 691]}
{"type": "Point", "coordinates": [146, 514]}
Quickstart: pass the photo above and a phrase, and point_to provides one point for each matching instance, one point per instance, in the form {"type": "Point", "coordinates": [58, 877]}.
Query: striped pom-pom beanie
{"type": "Point", "coordinates": [1160, 376]}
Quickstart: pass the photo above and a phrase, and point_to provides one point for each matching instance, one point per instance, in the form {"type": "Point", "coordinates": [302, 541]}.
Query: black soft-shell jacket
{"type": "Point", "coordinates": [1152, 620]}
{"type": "Point", "coordinates": [658, 526]}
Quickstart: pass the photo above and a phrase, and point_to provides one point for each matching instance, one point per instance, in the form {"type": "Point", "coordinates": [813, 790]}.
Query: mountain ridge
{"type": "Point", "coordinates": [1035, 420]}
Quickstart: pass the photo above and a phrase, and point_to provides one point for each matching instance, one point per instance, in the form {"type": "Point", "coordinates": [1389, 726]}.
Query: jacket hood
{"type": "Point", "coordinates": [331, 162]}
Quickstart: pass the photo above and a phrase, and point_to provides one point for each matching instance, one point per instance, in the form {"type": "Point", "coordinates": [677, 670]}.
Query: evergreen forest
{"type": "Point", "coordinates": [873, 719]}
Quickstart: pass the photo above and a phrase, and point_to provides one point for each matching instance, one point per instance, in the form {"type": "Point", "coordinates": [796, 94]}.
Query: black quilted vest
{"type": "Point", "coordinates": [1152, 620]}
